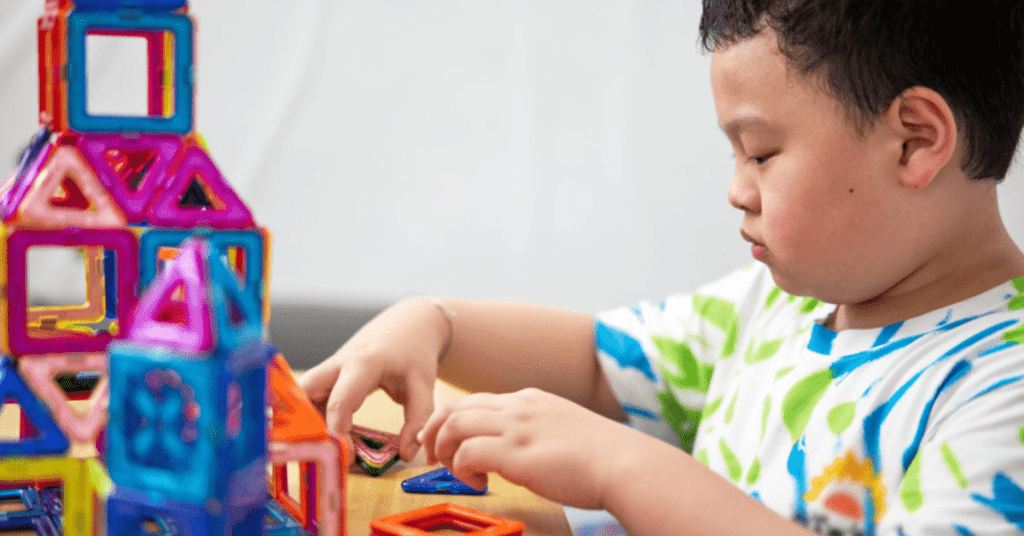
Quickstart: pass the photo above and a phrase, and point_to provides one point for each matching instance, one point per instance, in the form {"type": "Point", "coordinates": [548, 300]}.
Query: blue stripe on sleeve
{"type": "Point", "coordinates": [962, 530]}
{"type": "Point", "coordinates": [640, 412]}
{"type": "Point", "coordinates": [624, 349]}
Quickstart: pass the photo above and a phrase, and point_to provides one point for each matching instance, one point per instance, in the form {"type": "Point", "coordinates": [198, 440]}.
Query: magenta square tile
{"type": "Point", "coordinates": [121, 241]}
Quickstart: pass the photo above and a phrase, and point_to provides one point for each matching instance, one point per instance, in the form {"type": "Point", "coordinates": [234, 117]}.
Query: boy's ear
{"type": "Point", "coordinates": [925, 124]}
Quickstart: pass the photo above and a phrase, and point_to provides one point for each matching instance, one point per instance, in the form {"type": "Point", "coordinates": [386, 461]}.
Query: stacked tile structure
{"type": "Point", "coordinates": [144, 410]}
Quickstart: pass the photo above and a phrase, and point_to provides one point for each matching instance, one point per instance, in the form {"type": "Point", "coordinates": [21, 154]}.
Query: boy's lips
{"type": "Point", "coordinates": [758, 250]}
{"type": "Point", "coordinates": [746, 236]}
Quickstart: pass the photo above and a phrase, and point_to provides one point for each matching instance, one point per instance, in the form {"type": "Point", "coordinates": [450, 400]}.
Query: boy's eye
{"type": "Point", "coordinates": [763, 158]}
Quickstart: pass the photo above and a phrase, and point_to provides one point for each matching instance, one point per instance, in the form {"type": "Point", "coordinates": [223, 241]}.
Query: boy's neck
{"type": "Point", "coordinates": [980, 257]}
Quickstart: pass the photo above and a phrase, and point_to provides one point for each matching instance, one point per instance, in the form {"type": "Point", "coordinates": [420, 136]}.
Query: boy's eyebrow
{"type": "Point", "coordinates": [743, 122]}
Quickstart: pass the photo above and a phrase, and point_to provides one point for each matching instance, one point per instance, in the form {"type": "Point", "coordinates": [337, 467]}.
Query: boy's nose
{"type": "Point", "coordinates": [743, 194]}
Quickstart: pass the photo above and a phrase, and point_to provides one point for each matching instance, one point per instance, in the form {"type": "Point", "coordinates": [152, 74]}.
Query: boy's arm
{"type": "Point", "coordinates": [491, 346]}
{"type": "Point", "coordinates": [501, 347]}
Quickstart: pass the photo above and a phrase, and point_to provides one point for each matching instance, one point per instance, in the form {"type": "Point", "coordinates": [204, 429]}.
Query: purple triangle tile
{"type": "Point", "coordinates": [195, 333]}
{"type": "Point", "coordinates": [167, 210]}
{"type": "Point", "coordinates": [134, 202]}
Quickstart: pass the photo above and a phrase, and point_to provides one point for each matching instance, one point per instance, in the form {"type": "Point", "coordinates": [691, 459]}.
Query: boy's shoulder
{"type": "Point", "coordinates": [743, 311]}
{"type": "Point", "coordinates": [714, 320]}
{"type": "Point", "coordinates": [748, 300]}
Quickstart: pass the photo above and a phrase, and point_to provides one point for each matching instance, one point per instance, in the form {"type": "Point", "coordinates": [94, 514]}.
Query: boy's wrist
{"type": "Point", "coordinates": [625, 465]}
{"type": "Point", "coordinates": [449, 330]}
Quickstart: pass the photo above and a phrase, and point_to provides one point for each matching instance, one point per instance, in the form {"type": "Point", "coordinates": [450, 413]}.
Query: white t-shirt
{"type": "Point", "coordinates": [915, 428]}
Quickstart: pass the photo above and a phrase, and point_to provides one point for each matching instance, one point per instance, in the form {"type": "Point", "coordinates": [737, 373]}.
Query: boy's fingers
{"type": "Point", "coordinates": [425, 436]}
{"type": "Point", "coordinates": [463, 426]}
{"type": "Point", "coordinates": [476, 457]}
{"type": "Point", "coordinates": [428, 435]}
{"type": "Point", "coordinates": [317, 382]}
{"type": "Point", "coordinates": [418, 408]}
{"type": "Point", "coordinates": [350, 390]}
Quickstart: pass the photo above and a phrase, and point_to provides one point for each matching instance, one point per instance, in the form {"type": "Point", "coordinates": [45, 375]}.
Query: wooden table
{"type": "Point", "coordinates": [369, 498]}
{"type": "Point", "coordinates": [373, 497]}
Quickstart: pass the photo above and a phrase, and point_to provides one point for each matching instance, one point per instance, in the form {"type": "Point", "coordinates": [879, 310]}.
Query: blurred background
{"type": "Point", "coordinates": [556, 151]}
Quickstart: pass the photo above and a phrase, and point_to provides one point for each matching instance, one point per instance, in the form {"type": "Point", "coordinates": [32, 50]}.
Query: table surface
{"type": "Point", "coordinates": [369, 498]}
{"type": "Point", "coordinates": [373, 497]}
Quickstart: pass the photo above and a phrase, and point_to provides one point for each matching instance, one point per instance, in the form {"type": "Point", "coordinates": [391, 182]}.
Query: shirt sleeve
{"type": "Point", "coordinates": [659, 357]}
{"type": "Point", "coordinates": [968, 476]}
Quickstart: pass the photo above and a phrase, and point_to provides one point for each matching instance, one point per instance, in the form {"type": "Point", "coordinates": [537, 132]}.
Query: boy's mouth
{"type": "Point", "coordinates": [757, 250]}
{"type": "Point", "coordinates": [749, 238]}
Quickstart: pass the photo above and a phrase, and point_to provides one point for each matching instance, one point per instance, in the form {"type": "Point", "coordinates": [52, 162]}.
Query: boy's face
{"type": "Point", "coordinates": [822, 205]}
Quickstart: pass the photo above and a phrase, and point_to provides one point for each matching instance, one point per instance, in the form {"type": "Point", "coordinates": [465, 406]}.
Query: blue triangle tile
{"type": "Point", "coordinates": [439, 481]}
{"type": "Point", "coordinates": [51, 439]}
{"type": "Point", "coordinates": [238, 314]}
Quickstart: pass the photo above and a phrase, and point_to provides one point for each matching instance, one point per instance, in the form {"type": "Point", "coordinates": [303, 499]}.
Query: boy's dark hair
{"type": "Point", "coordinates": [867, 52]}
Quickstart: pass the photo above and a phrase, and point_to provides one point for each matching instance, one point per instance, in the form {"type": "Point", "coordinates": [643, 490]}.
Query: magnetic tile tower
{"type": "Point", "coordinates": [157, 406]}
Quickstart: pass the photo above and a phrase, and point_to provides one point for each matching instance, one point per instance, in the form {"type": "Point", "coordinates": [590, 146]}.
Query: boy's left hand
{"type": "Point", "coordinates": [532, 438]}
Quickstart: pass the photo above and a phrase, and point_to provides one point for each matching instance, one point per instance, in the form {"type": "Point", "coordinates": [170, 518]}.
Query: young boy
{"type": "Point", "coordinates": [865, 377]}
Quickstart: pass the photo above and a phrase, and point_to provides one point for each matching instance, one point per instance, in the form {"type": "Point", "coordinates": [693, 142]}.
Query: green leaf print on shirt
{"type": "Point", "coordinates": [722, 314]}
{"type": "Point", "coordinates": [683, 420]}
{"type": "Point", "coordinates": [953, 464]}
{"type": "Point", "coordinates": [754, 472]}
{"type": "Point", "coordinates": [732, 408]}
{"type": "Point", "coordinates": [910, 487]}
{"type": "Point", "coordinates": [840, 417]}
{"type": "Point", "coordinates": [764, 351]}
{"type": "Point", "coordinates": [732, 463]}
{"type": "Point", "coordinates": [1021, 434]}
{"type": "Point", "coordinates": [764, 415]}
{"type": "Point", "coordinates": [799, 402]}
{"type": "Point", "coordinates": [804, 305]}
{"type": "Point", "coordinates": [773, 295]}
{"type": "Point", "coordinates": [711, 408]}
{"type": "Point", "coordinates": [692, 373]}
{"type": "Point", "coordinates": [1015, 335]}
{"type": "Point", "coordinates": [702, 457]}
{"type": "Point", "coordinates": [808, 304]}
{"type": "Point", "coordinates": [1017, 302]}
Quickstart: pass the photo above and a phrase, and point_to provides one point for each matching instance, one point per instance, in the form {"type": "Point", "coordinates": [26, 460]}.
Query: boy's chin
{"type": "Point", "coordinates": [787, 285]}
{"type": "Point", "coordinates": [795, 285]}
{"type": "Point", "coordinates": [833, 291]}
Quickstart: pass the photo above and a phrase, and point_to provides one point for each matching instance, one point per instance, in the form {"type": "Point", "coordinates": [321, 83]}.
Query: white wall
{"type": "Point", "coordinates": [560, 151]}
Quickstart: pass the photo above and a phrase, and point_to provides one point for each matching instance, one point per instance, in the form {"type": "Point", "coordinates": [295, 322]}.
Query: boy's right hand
{"type": "Point", "coordinates": [398, 352]}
